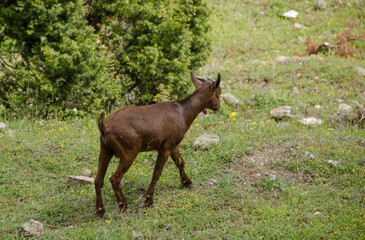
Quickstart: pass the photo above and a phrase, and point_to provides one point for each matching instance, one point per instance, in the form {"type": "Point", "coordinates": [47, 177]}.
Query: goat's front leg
{"type": "Point", "coordinates": [160, 163]}
{"type": "Point", "coordinates": [180, 164]}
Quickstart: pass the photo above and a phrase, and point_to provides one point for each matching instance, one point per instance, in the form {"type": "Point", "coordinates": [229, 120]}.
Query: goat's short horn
{"type": "Point", "coordinates": [202, 79]}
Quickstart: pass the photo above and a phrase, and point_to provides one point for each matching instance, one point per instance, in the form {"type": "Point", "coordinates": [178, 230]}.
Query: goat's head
{"type": "Point", "coordinates": [210, 88]}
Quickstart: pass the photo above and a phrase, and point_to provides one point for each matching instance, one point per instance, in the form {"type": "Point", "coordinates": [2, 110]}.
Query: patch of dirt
{"type": "Point", "coordinates": [267, 162]}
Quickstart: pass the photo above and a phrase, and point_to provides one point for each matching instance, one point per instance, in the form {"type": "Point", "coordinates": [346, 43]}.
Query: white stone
{"type": "Point", "coordinates": [213, 181]}
{"type": "Point", "coordinates": [333, 162]}
{"type": "Point", "coordinates": [230, 99]}
{"type": "Point", "coordinates": [80, 180]}
{"type": "Point", "coordinates": [86, 173]}
{"type": "Point", "coordinates": [291, 14]}
{"type": "Point", "coordinates": [311, 121]}
{"type": "Point", "coordinates": [273, 177]}
{"type": "Point", "coordinates": [295, 90]}
{"type": "Point", "coordinates": [297, 26]}
{"type": "Point", "coordinates": [205, 140]}
{"type": "Point", "coordinates": [137, 234]}
{"type": "Point", "coordinates": [344, 109]}
{"type": "Point", "coordinates": [32, 228]}
{"type": "Point", "coordinates": [360, 71]}
{"type": "Point", "coordinates": [281, 112]}
{"type": "Point", "coordinates": [3, 126]}
{"type": "Point", "coordinates": [321, 5]}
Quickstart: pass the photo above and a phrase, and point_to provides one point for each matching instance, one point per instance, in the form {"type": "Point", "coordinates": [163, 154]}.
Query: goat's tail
{"type": "Point", "coordinates": [101, 125]}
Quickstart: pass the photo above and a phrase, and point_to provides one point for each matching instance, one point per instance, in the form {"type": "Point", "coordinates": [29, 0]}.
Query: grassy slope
{"type": "Point", "coordinates": [267, 185]}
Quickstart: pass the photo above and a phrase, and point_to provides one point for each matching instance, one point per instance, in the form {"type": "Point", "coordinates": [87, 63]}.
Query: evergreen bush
{"type": "Point", "coordinates": [57, 57]}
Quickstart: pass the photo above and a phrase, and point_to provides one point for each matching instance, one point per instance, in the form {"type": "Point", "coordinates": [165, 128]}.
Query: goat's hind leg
{"type": "Point", "coordinates": [126, 160]}
{"type": "Point", "coordinates": [104, 158]}
{"type": "Point", "coordinates": [180, 164]}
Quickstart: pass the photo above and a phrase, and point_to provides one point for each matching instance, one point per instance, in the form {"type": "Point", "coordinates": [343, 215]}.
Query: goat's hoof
{"type": "Point", "coordinates": [122, 207]}
{"type": "Point", "coordinates": [100, 212]}
{"type": "Point", "coordinates": [186, 182]}
{"type": "Point", "coordinates": [149, 202]}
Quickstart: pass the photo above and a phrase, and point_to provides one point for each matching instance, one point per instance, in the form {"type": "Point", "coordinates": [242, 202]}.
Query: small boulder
{"type": "Point", "coordinates": [311, 121]}
{"type": "Point", "coordinates": [213, 181]}
{"type": "Point", "coordinates": [137, 234]}
{"type": "Point", "coordinates": [230, 99]}
{"type": "Point", "coordinates": [297, 25]}
{"type": "Point", "coordinates": [86, 173]}
{"type": "Point", "coordinates": [5, 128]}
{"type": "Point", "coordinates": [205, 140]}
{"type": "Point", "coordinates": [320, 5]}
{"type": "Point", "coordinates": [282, 112]}
{"type": "Point", "coordinates": [290, 14]}
{"type": "Point", "coordinates": [333, 162]}
{"type": "Point", "coordinates": [345, 109]}
{"type": "Point", "coordinates": [31, 228]}
{"type": "Point", "coordinates": [309, 155]}
{"type": "Point", "coordinates": [343, 113]}
{"type": "Point", "coordinates": [80, 180]}
{"type": "Point", "coordinates": [360, 71]}
{"type": "Point", "coordinates": [295, 90]}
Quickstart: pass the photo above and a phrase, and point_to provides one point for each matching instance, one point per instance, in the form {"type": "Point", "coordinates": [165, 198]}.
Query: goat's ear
{"type": "Point", "coordinates": [218, 80]}
{"type": "Point", "coordinates": [194, 79]}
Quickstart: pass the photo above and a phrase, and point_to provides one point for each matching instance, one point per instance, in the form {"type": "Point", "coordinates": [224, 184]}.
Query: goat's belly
{"type": "Point", "coordinates": [159, 144]}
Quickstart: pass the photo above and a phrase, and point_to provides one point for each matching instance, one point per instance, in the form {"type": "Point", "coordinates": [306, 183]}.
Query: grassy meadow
{"type": "Point", "coordinates": [266, 179]}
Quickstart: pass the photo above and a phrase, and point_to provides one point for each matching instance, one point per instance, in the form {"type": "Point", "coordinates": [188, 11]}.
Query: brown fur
{"type": "Point", "coordinates": [159, 127]}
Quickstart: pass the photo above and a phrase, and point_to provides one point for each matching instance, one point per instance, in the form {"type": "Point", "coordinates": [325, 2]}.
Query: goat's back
{"type": "Point", "coordinates": [146, 128]}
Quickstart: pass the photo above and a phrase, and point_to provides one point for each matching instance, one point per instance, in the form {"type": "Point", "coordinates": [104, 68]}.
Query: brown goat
{"type": "Point", "coordinates": [159, 127]}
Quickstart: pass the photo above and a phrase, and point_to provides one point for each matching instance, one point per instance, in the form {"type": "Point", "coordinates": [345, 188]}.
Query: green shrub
{"type": "Point", "coordinates": [59, 57]}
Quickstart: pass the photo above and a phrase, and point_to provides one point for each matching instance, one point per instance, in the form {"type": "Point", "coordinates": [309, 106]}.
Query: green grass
{"type": "Point", "coordinates": [275, 180]}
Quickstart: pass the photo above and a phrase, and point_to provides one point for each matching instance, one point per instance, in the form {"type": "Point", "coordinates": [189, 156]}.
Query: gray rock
{"type": "Point", "coordinates": [273, 177]}
{"type": "Point", "coordinates": [205, 140]}
{"type": "Point", "coordinates": [360, 71]}
{"type": "Point", "coordinates": [344, 109]}
{"type": "Point", "coordinates": [343, 113]}
{"type": "Point", "coordinates": [5, 128]}
{"type": "Point", "coordinates": [320, 5]}
{"type": "Point", "coordinates": [317, 213]}
{"type": "Point", "coordinates": [297, 26]}
{"type": "Point", "coordinates": [290, 14]}
{"type": "Point", "coordinates": [86, 173]}
{"type": "Point", "coordinates": [213, 181]}
{"type": "Point", "coordinates": [10, 132]}
{"type": "Point", "coordinates": [42, 122]}
{"type": "Point", "coordinates": [80, 180]}
{"type": "Point", "coordinates": [31, 228]}
{"type": "Point", "coordinates": [309, 155]}
{"type": "Point", "coordinates": [333, 162]}
{"type": "Point", "coordinates": [282, 112]}
{"type": "Point", "coordinates": [311, 121]}
{"type": "Point", "coordinates": [137, 234]}
{"type": "Point", "coordinates": [295, 90]}
{"type": "Point", "coordinates": [230, 99]}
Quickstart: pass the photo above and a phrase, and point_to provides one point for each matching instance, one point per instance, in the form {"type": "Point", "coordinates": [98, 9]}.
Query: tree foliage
{"type": "Point", "coordinates": [56, 56]}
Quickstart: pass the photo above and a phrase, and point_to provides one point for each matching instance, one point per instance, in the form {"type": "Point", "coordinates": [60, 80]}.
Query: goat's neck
{"type": "Point", "coordinates": [193, 105]}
